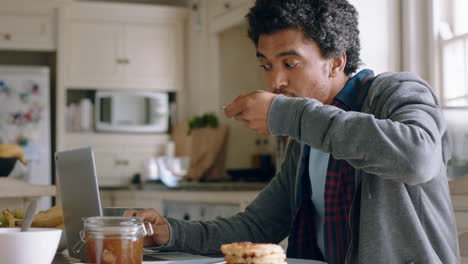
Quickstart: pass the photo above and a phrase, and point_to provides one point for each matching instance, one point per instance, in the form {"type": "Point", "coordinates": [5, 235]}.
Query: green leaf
{"type": "Point", "coordinates": [206, 120]}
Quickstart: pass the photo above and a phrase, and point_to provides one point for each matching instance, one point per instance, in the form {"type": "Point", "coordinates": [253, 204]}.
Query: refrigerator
{"type": "Point", "coordinates": [25, 119]}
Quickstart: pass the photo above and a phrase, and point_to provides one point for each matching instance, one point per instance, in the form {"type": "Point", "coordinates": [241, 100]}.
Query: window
{"type": "Point", "coordinates": [453, 31]}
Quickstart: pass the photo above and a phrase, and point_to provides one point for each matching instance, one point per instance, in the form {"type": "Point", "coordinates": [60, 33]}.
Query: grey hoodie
{"type": "Point", "coordinates": [401, 212]}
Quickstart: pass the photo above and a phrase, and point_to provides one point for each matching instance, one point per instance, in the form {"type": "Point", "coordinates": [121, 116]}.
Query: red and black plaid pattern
{"type": "Point", "coordinates": [339, 191]}
{"type": "Point", "coordinates": [301, 244]}
{"type": "Point", "coordinates": [338, 194]}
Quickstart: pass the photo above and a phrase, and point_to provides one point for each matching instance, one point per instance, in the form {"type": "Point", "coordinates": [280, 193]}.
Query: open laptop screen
{"type": "Point", "coordinates": [79, 194]}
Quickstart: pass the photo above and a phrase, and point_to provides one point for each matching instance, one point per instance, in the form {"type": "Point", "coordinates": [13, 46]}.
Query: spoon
{"type": "Point", "coordinates": [29, 215]}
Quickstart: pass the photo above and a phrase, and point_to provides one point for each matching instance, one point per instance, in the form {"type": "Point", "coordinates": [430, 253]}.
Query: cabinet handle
{"type": "Point", "coordinates": [7, 36]}
{"type": "Point", "coordinates": [122, 61]}
{"type": "Point", "coordinates": [121, 162]}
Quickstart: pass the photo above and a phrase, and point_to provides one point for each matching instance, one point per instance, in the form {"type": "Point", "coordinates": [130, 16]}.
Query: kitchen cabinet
{"type": "Point", "coordinates": [185, 204]}
{"type": "Point", "coordinates": [459, 192]}
{"type": "Point", "coordinates": [153, 55]}
{"type": "Point", "coordinates": [226, 13]}
{"type": "Point", "coordinates": [27, 26]}
{"type": "Point", "coordinates": [115, 167]}
{"type": "Point", "coordinates": [93, 54]}
{"type": "Point", "coordinates": [221, 8]}
{"type": "Point", "coordinates": [460, 207]}
{"type": "Point", "coordinates": [198, 212]}
{"type": "Point", "coordinates": [106, 199]}
{"type": "Point", "coordinates": [112, 167]}
{"type": "Point", "coordinates": [116, 164]}
{"type": "Point", "coordinates": [122, 46]}
{"type": "Point", "coordinates": [192, 205]}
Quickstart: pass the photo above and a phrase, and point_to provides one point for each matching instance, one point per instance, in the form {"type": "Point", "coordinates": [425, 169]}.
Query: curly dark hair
{"type": "Point", "coordinates": [333, 24]}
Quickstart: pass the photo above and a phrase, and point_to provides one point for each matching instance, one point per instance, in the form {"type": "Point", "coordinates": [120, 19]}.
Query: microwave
{"type": "Point", "coordinates": [132, 111]}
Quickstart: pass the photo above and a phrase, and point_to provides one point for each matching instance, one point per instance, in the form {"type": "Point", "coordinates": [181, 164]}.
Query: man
{"type": "Point", "coordinates": [364, 176]}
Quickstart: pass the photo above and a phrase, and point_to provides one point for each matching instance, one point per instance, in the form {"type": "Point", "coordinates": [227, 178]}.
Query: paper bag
{"type": "Point", "coordinates": [182, 140]}
{"type": "Point", "coordinates": [206, 148]}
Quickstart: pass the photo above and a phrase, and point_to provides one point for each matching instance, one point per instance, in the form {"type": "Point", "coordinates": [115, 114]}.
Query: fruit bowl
{"type": "Point", "coordinates": [37, 245]}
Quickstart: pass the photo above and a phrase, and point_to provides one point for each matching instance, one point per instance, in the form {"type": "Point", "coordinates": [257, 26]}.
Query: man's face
{"type": "Point", "coordinates": [294, 66]}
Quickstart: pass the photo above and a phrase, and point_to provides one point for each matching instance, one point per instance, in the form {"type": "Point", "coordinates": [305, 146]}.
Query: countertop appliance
{"type": "Point", "coordinates": [132, 111]}
{"type": "Point", "coordinates": [25, 119]}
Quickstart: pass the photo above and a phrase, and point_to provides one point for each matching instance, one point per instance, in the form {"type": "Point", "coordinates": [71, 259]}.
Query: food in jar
{"type": "Point", "coordinates": [114, 251]}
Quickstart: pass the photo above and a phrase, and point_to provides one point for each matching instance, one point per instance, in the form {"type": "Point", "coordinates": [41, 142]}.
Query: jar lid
{"type": "Point", "coordinates": [114, 225]}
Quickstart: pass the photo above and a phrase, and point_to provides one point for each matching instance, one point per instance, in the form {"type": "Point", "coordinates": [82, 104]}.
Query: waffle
{"type": "Point", "coordinates": [252, 253]}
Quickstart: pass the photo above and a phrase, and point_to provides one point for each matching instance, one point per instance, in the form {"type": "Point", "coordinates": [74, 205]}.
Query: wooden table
{"type": "Point", "coordinates": [63, 258]}
{"type": "Point", "coordinates": [16, 193]}
{"type": "Point", "coordinates": [177, 257]}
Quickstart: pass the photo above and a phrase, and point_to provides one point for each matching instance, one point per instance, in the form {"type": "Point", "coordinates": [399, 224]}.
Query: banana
{"type": "Point", "coordinates": [12, 151]}
{"type": "Point", "coordinates": [10, 218]}
{"type": "Point", "coordinates": [18, 213]}
{"type": "Point", "coordinates": [3, 220]}
{"type": "Point", "coordinates": [49, 218]}
{"type": "Point", "coordinates": [52, 217]}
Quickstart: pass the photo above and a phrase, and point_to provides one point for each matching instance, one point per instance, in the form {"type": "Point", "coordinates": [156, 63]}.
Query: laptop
{"type": "Point", "coordinates": [79, 192]}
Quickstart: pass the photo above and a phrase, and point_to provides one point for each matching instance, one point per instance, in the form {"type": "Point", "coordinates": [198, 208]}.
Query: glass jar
{"type": "Point", "coordinates": [115, 239]}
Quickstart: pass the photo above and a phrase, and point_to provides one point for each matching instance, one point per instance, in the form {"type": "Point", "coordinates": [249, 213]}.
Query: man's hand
{"type": "Point", "coordinates": [161, 229]}
{"type": "Point", "coordinates": [252, 109]}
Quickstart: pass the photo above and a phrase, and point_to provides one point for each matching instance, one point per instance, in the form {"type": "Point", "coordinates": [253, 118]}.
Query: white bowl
{"type": "Point", "coordinates": [37, 245]}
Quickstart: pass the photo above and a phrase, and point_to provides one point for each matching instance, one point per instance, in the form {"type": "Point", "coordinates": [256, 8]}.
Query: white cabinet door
{"type": "Point", "coordinates": [222, 7]}
{"type": "Point", "coordinates": [121, 46]}
{"type": "Point", "coordinates": [116, 167]}
{"type": "Point", "coordinates": [125, 199]}
{"type": "Point", "coordinates": [152, 54]}
{"type": "Point", "coordinates": [107, 167]}
{"type": "Point", "coordinates": [112, 167]}
{"type": "Point", "coordinates": [120, 56]}
{"type": "Point", "coordinates": [26, 31]}
{"type": "Point", "coordinates": [107, 199]}
{"type": "Point", "coordinates": [224, 14]}
{"type": "Point", "coordinates": [94, 54]}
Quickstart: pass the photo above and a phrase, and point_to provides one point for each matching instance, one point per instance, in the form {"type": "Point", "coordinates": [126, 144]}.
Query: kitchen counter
{"type": "Point", "coordinates": [17, 193]}
{"type": "Point", "coordinates": [13, 188]}
{"type": "Point", "coordinates": [191, 186]}
{"type": "Point", "coordinates": [459, 186]}
{"type": "Point", "coordinates": [459, 193]}
{"type": "Point", "coordinates": [463, 240]}
{"type": "Point", "coordinates": [209, 186]}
